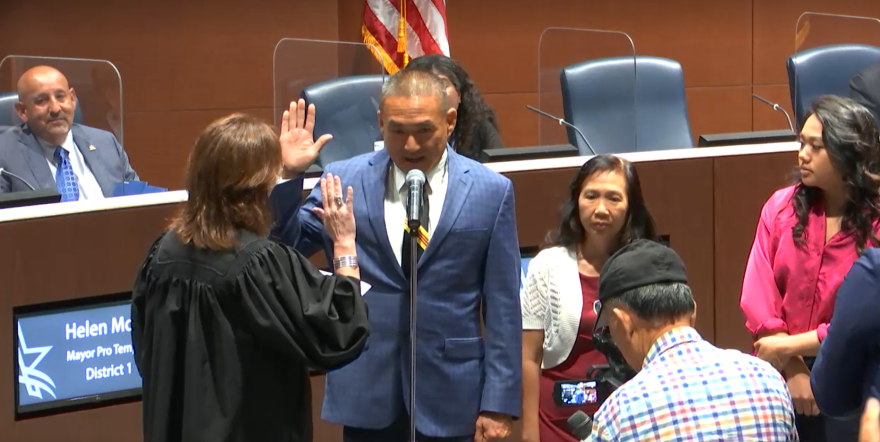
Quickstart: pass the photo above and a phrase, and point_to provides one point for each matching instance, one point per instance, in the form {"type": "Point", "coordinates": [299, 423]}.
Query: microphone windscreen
{"type": "Point", "coordinates": [415, 175]}
{"type": "Point", "coordinates": [580, 425]}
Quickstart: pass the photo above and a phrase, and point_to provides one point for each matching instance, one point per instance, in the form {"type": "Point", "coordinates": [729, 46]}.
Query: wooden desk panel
{"type": "Point", "coordinates": [742, 185]}
{"type": "Point", "coordinates": [681, 201]}
{"type": "Point", "coordinates": [104, 251]}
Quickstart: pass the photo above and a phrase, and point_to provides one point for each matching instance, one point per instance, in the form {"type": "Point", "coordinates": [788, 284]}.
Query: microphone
{"type": "Point", "coordinates": [2, 171]}
{"type": "Point", "coordinates": [562, 122]}
{"type": "Point", "coordinates": [581, 425]}
{"type": "Point", "coordinates": [415, 181]}
{"type": "Point", "coordinates": [776, 107]}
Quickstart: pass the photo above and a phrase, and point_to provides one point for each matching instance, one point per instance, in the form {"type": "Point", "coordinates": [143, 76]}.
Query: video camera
{"type": "Point", "coordinates": [601, 382]}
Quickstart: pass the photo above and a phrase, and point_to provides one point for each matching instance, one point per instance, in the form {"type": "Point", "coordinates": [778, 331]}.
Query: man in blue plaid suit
{"type": "Point", "coordinates": [468, 387]}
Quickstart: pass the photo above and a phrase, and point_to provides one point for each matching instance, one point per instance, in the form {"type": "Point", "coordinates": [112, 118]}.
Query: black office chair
{"type": "Point", "coordinates": [825, 70]}
{"type": "Point", "coordinates": [597, 97]}
{"type": "Point", "coordinates": [347, 109]}
{"type": "Point", "coordinates": [8, 116]}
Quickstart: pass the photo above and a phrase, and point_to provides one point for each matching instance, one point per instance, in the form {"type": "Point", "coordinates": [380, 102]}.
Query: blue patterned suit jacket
{"type": "Point", "coordinates": [471, 267]}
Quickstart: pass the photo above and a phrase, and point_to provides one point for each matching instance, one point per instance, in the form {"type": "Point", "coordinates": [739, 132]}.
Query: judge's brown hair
{"type": "Point", "coordinates": [232, 169]}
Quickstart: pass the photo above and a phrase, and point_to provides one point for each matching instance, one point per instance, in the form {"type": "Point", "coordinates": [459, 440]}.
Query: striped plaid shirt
{"type": "Point", "coordinates": [690, 390]}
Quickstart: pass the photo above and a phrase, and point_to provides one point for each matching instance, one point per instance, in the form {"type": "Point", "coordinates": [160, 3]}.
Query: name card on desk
{"type": "Point", "coordinates": [129, 188]}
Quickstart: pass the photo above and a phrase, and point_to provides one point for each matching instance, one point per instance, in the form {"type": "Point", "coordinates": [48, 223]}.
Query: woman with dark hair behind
{"type": "Point", "coordinates": [476, 128]}
{"type": "Point", "coordinates": [808, 237]}
{"type": "Point", "coordinates": [605, 210]}
{"type": "Point", "coordinates": [226, 323]}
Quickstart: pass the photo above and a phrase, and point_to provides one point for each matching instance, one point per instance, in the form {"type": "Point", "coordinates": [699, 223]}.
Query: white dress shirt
{"type": "Point", "coordinates": [89, 189]}
{"type": "Point", "coordinates": [395, 201]}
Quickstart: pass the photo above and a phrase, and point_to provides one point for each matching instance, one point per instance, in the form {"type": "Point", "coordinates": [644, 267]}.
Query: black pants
{"type": "Point", "coordinates": [811, 428]}
{"type": "Point", "coordinates": [827, 429]}
{"type": "Point", "coordinates": [398, 431]}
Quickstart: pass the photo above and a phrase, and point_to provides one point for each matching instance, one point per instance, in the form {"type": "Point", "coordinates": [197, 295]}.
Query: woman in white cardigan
{"type": "Point", "coordinates": [605, 210]}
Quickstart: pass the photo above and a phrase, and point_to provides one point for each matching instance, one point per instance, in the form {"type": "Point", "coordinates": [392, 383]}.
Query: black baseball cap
{"type": "Point", "coordinates": [637, 264]}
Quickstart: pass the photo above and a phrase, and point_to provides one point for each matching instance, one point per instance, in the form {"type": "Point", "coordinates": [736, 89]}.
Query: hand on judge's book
{"type": "Point", "coordinates": [298, 146]}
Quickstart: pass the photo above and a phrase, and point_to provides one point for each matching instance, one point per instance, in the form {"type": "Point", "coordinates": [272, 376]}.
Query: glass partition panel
{"type": "Point", "coordinates": [343, 80]}
{"type": "Point", "coordinates": [96, 83]}
{"type": "Point", "coordinates": [588, 78]}
{"type": "Point", "coordinates": [829, 50]}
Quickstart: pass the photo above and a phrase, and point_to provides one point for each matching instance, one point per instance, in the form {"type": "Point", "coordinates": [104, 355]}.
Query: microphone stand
{"type": "Point", "coordinates": [776, 107]}
{"type": "Point", "coordinates": [562, 122]}
{"type": "Point", "coordinates": [413, 288]}
{"type": "Point", "coordinates": [6, 172]}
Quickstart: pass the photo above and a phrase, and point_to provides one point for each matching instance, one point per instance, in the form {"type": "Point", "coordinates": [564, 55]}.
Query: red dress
{"type": "Point", "coordinates": [551, 418]}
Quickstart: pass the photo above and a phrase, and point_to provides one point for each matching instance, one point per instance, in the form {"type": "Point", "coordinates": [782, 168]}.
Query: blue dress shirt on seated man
{"type": "Point", "coordinates": [467, 386]}
{"type": "Point", "coordinates": [847, 368]}
{"type": "Point", "coordinates": [49, 151]}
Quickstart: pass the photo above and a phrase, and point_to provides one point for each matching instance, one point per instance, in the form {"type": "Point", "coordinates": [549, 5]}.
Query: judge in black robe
{"type": "Point", "coordinates": [224, 337]}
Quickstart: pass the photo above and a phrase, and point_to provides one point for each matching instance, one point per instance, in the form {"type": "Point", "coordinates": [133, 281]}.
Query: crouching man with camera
{"type": "Point", "coordinates": [685, 388]}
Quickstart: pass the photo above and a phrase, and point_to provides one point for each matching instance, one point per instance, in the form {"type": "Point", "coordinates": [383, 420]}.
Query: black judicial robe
{"type": "Point", "coordinates": [224, 341]}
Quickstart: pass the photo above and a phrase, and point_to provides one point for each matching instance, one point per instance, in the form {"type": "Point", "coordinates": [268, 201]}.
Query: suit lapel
{"type": "Point", "coordinates": [374, 182]}
{"type": "Point", "coordinates": [36, 159]}
{"type": "Point", "coordinates": [457, 189]}
{"type": "Point", "coordinates": [93, 163]}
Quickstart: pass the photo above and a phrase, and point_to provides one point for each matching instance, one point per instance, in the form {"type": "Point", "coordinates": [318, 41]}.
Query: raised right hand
{"type": "Point", "coordinates": [298, 147]}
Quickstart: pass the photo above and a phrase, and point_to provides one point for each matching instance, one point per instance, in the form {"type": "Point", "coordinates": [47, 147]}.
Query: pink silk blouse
{"type": "Point", "coordinates": [790, 287]}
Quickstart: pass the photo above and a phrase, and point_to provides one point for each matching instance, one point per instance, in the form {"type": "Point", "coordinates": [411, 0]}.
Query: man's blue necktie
{"type": "Point", "coordinates": [65, 180]}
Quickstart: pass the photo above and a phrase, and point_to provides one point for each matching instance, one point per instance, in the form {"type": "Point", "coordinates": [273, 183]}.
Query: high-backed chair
{"type": "Point", "coordinates": [825, 70]}
{"type": "Point", "coordinates": [347, 109]}
{"type": "Point", "coordinates": [598, 98]}
{"type": "Point", "coordinates": [8, 116]}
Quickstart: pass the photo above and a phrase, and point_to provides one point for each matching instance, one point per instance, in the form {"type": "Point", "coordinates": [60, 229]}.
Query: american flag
{"type": "Point", "coordinates": [425, 24]}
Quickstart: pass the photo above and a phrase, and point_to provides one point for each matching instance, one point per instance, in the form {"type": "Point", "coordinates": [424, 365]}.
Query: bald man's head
{"type": "Point", "coordinates": [46, 103]}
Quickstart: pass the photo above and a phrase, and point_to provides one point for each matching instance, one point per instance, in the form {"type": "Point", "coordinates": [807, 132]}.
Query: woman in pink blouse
{"type": "Point", "coordinates": [807, 239]}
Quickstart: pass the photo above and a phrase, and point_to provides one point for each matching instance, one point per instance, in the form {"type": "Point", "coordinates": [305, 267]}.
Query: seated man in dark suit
{"type": "Point", "coordinates": [865, 89]}
{"type": "Point", "coordinates": [49, 151]}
